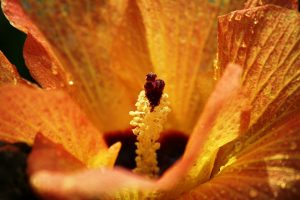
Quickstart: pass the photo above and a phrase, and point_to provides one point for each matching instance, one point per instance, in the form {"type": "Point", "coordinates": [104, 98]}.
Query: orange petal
{"type": "Point", "coordinates": [182, 43]}
{"type": "Point", "coordinates": [68, 177]}
{"type": "Point", "coordinates": [43, 66]}
{"type": "Point", "coordinates": [8, 72]}
{"type": "Point", "coordinates": [101, 47]}
{"type": "Point", "coordinates": [265, 41]}
{"type": "Point", "coordinates": [39, 58]}
{"type": "Point", "coordinates": [198, 159]}
{"type": "Point", "coordinates": [292, 4]}
{"type": "Point", "coordinates": [46, 155]}
{"type": "Point", "coordinates": [27, 111]}
{"type": "Point", "coordinates": [91, 184]}
{"type": "Point", "coordinates": [267, 169]}
{"type": "Point", "coordinates": [15, 14]}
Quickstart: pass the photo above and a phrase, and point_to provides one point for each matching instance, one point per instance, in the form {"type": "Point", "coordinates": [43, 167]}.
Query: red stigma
{"type": "Point", "coordinates": [154, 89]}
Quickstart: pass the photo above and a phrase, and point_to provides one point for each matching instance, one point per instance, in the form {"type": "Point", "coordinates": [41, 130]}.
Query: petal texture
{"type": "Point", "coordinates": [43, 65]}
{"type": "Point", "coordinates": [27, 111]}
{"type": "Point", "coordinates": [14, 12]}
{"type": "Point", "coordinates": [8, 72]}
{"type": "Point", "coordinates": [292, 4]}
{"type": "Point", "coordinates": [101, 47]}
{"type": "Point", "coordinates": [196, 164]}
{"type": "Point", "coordinates": [265, 41]}
{"type": "Point", "coordinates": [39, 58]}
{"type": "Point", "coordinates": [182, 43]}
{"type": "Point", "coordinates": [267, 169]}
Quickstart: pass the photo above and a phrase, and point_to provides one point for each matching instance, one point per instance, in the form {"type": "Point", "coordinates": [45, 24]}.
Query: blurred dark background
{"type": "Point", "coordinates": [11, 44]}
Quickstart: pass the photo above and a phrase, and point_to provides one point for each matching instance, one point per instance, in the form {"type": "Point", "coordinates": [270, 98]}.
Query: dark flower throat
{"type": "Point", "coordinates": [172, 146]}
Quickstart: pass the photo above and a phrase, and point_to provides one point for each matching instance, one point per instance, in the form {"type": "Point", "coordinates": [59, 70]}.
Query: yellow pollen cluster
{"type": "Point", "coordinates": [148, 126]}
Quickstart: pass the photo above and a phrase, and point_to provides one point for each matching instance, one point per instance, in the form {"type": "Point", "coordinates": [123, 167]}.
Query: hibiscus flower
{"type": "Point", "coordinates": [90, 59]}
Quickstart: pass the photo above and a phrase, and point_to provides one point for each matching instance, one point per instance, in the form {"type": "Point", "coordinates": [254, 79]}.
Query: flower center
{"type": "Point", "coordinates": [150, 152]}
{"type": "Point", "coordinates": [172, 146]}
{"type": "Point", "coordinates": [152, 108]}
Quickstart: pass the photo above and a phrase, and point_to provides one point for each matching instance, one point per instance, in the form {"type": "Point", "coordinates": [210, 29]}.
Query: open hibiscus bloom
{"type": "Point", "coordinates": [235, 99]}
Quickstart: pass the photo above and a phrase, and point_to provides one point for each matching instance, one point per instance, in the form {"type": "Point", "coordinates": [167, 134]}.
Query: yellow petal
{"type": "Point", "coordinates": [181, 38]}
{"type": "Point", "coordinates": [105, 157]}
{"type": "Point", "coordinates": [267, 169]}
{"type": "Point", "coordinates": [101, 47]}
{"type": "Point", "coordinates": [265, 41]}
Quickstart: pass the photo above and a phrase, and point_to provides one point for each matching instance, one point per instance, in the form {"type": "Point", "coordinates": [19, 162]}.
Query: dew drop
{"type": "Point", "coordinates": [252, 30]}
{"type": "Point", "coordinates": [248, 14]}
{"type": "Point", "coordinates": [293, 146]}
{"type": "Point", "coordinates": [255, 21]}
{"type": "Point", "coordinates": [282, 185]}
{"type": "Point", "coordinates": [70, 82]}
{"type": "Point", "coordinates": [244, 44]}
{"type": "Point", "coordinates": [238, 17]}
{"type": "Point", "coordinates": [253, 193]}
{"type": "Point", "coordinates": [54, 70]}
{"type": "Point", "coordinates": [231, 16]}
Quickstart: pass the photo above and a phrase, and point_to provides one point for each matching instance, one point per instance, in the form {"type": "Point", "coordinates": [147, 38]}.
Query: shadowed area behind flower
{"type": "Point", "coordinates": [11, 44]}
{"type": "Point", "coordinates": [14, 181]}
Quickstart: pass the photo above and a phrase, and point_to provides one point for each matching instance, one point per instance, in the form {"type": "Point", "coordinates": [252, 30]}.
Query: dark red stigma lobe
{"type": "Point", "coordinates": [154, 89]}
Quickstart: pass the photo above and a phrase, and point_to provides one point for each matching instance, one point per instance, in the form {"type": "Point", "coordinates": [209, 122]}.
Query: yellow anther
{"type": "Point", "coordinates": [148, 123]}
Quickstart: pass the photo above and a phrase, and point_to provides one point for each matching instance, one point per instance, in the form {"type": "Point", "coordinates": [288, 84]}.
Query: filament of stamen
{"type": "Point", "coordinates": [148, 120]}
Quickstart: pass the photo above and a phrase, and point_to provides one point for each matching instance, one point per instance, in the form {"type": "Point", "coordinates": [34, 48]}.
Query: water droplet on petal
{"type": "Point", "coordinates": [70, 82]}
{"type": "Point", "coordinates": [248, 14]}
{"type": "Point", "coordinates": [54, 70]}
{"type": "Point", "coordinates": [283, 185]}
{"type": "Point", "coordinates": [244, 44]}
{"type": "Point", "coordinates": [252, 30]}
{"type": "Point", "coordinates": [231, 16]}
{"type": "Point", "coordinates": [238, 17]}
{"type": "Point", "coordinates": [253, 193]}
